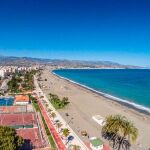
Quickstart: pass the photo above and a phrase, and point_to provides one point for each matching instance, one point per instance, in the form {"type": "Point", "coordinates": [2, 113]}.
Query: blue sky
{"type": "Point", "coordinates": [115, 30]}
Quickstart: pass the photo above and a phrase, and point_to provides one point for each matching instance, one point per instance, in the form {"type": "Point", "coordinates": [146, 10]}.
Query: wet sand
{"type": "Point", "coordinates": [84, 104]}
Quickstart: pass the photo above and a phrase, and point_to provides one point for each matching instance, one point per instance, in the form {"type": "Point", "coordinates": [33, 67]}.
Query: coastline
{"type": "Point", "coordinates": [132, 105]}
{"type": "Point", "coordinates": [85, 103]}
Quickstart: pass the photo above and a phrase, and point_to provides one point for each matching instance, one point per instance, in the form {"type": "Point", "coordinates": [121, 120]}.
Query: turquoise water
{"type": "Point", "coordinates": [132, 85]}
{"type": "Point", "coordinates": [6, 101]}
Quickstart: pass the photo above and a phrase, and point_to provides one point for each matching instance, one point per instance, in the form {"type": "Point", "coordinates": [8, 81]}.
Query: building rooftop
{"type": "Point", "coordinates": [21, 98]}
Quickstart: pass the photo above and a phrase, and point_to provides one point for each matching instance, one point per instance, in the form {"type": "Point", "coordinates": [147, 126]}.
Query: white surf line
{"type": "Point", "coordinates": [136, 106]}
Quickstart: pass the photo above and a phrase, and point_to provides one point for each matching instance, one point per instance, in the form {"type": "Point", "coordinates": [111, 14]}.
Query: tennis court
{"type": "Point", "coordinates": [31, 136]}
{"type": "Point", "coordinates": [13, 109]}
{"type": "Point", "coordinates": [18, 120]}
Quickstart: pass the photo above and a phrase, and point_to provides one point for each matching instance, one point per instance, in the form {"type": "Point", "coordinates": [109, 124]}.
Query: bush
{"type": "Point", "coordinates": [57, 102]}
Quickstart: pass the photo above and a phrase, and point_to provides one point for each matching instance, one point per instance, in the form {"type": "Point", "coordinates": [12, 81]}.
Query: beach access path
{"type": "Point", "coordinates": [84, 104]}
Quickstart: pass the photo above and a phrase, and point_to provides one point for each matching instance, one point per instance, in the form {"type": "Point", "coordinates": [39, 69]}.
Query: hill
{"type": "Point", "coordinates": [28, 61]}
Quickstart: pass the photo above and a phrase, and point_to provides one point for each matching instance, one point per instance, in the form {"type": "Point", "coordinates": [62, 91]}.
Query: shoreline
{"type": "Point", "coordinates": [132, 105]}
{"type": "Point", "coordinates": [84, 104]}
{"type": "Point", "coordinates": [104, 68]}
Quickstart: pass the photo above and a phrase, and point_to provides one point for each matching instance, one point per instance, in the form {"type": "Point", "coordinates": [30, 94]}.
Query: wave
{"type": "Point", "coordinates": [139, 107]}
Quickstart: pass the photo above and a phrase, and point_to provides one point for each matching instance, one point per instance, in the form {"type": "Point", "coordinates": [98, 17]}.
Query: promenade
{"type": "Point", "coordinates": [60, 142]}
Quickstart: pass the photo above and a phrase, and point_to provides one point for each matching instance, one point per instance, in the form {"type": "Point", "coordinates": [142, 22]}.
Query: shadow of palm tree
{"type": "Point", "coordinates": [114, 141]}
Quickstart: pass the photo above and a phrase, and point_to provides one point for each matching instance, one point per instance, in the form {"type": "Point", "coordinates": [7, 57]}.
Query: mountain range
{"type": "Point", "coordinates": [28, 61]}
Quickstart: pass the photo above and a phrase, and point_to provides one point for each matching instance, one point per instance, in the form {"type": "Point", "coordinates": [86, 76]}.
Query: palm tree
{"type": "Point", "coordinates": [120, 131]}
{"type": "Point", "coordinates": [66, 132]}
{"type": "Point", "coordinates": [41, 97]}
{"type": "Point", "coordinates": [75, 147]}
{"type": "Point", "coordinates": [59, 125]}
{"type": "Point", "coordinates": [49, 110]}
{"type": "Point", "coordinates": [53, 115]}
{"type": "Point", "coordinates": [46, 105]}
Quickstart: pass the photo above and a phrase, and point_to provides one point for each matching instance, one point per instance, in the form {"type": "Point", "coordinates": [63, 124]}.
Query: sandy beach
{"type": "Point", "coordinates": [84, 104]}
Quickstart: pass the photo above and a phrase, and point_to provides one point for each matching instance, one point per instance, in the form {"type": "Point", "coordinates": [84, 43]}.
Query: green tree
{"type": "Point", "coordinates": [53, 115]}
{"type": "Point", "coordinates": [65, 100]}
{"type": "Point", "coordinates": [58, 125]}
{"type": "Point", "coordinates": [57, 102]}
{"type": "Point", "coordinates": [66, 132]}
{"type": "Point", "coordinates": [9, 139]}
{"type": "Point", "coordinates": [120, 131]}
{"type": "Point", "coordinates": [46, 105]}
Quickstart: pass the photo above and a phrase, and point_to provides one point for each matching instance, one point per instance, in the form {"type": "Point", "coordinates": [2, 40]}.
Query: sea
{"type": "Point", "coordinates": [127, 86]}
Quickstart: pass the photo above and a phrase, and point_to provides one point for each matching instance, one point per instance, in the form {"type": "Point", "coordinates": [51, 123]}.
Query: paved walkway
{"type": "Point", "coordinates": [51, 128]}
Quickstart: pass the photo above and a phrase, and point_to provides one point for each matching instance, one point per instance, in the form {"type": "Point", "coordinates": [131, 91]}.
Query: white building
{"type": "Point", "coordinates": [2, 73]}
{"type": "Point", "coordinates": [22, 100]}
